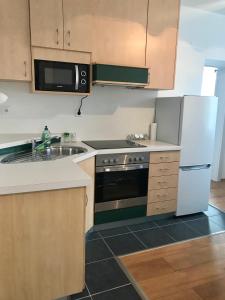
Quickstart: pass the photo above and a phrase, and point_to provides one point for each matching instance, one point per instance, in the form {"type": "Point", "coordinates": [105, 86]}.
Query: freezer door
{"type": "Point", "coordinates": [193, 190]}
{"type": "Point", "coordinates": [198, 130]}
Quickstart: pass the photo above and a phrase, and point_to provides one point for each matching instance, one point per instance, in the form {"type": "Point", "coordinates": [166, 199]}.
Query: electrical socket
{"type": "Point", "coordinates": [4, 109]}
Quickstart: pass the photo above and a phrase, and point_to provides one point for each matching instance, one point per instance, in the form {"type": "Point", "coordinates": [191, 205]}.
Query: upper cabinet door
{"type": "Point", "coordinates": [113, 30]}
{"type": "Point", "coordinates": [46, 21]}
{"type": "Point", "coordinates": [163, 18]}
{"type": "Point", "coordinates": [15, 57]}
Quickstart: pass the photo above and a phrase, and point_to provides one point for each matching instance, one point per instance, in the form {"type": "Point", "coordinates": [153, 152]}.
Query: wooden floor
{"type": "Point", "coordinates": [217, 197]}
{"type": "Point", "coordinates": [193, 270]}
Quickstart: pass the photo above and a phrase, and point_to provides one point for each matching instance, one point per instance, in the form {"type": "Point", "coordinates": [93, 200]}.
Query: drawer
{"type": "Point", "coordinates": [162, 169]}
{"type": "Point", "coordinates": [162, 182]}
{"type": "Point", "coordinates": [162, 207]}
{"type": "Point", "coordinates": [168, 156]}
{"type": "Point", "coordinates": [162, 195]}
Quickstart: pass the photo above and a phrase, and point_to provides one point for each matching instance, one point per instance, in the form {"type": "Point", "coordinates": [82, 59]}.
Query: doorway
{"type": "Point", "coordinates": [213, 83]}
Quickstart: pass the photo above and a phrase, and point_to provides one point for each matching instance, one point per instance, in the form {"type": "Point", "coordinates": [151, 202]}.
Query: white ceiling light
{"type": "Point", "coordinates": [3, 98]}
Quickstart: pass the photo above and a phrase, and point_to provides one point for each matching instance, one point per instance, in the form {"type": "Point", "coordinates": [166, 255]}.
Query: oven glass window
{"type": "Point", "coordinates": [111, 186]}
{"type": "Point", "coordinates": [58, 76]}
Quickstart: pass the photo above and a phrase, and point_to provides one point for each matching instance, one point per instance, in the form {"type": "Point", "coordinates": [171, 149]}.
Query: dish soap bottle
{"type": "Point", "coordinates": [46, 136]}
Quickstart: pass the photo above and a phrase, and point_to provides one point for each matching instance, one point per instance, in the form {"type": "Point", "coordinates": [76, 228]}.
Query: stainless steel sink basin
{"type": "Point", "coordinates": [51, 153]}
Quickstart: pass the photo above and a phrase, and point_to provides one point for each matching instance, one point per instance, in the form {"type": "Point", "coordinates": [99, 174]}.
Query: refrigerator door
{"type": "Point", "coordinates": [198, 130]}
{"type": "Point", "coordinates": [193, 189]}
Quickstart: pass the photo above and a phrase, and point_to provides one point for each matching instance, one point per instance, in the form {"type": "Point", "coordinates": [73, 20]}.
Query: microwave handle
{"type": "Point", "coordinates": [77, 77]}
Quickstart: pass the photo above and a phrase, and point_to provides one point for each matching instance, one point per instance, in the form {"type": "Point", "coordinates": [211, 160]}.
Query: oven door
{"type": "Point", "coordinates": [120, 186]}
{"type": "Point", "coordinates": [56, 76]}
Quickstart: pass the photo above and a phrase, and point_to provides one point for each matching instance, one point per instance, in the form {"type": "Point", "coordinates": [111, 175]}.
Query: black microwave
{"type": "Point", "coordinates": [61, 76]}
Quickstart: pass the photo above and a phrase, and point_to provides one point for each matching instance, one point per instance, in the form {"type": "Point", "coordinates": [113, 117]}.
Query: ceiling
{"type": "Point", "coordinates": [216, 6]}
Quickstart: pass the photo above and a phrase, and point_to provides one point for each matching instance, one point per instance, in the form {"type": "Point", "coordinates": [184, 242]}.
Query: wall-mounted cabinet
{"type": "Point", "coordinates": [163, 18]}
{"type": "Point", "coordinates": [46, 22]}
{"type": "Point", "coordinates": [15, 57]}
{"type": "Point", "coordinates": [114, 31]}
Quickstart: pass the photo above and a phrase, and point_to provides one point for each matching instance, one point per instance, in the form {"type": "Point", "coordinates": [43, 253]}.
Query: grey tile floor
{"type": "Point", "coordinates": [105, 279]}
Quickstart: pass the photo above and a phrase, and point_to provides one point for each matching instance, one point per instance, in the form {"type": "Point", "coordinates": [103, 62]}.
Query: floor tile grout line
{"type": "Point", "coordinates": [109, 247]}
{"type": "Point", "coordinates": [112, 289]}
{"type": "Point", "coordinates": [194, 229]}
{"type": "Point", "coordinates": [110, 236]}
{"type": "Point", "coordinates": [96, 261]}
{"type": "Point", "coordinates": [89, 292]}
{"type": "Point", "coordinates": [140, 241]}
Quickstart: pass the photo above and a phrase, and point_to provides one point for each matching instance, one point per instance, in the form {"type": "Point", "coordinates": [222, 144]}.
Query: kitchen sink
{"type": "Point", "coordinates": [50, 153]}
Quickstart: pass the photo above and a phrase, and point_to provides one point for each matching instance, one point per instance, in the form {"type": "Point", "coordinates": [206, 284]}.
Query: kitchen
{"type": "Point", "coordinates": [108, 113]}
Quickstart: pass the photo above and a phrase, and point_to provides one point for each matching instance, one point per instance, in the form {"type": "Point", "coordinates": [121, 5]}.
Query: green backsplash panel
{"type": "Point", "coordinates": [23, 147]}
{"type": "Point", "coordinates": [14, 149]}
{"type": "Point", "coordinates": [119, 74]}
{"type": "Point", "coordinates": [120, 214]}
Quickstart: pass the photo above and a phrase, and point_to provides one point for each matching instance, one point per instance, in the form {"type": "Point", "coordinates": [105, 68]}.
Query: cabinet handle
{"type": "Point", "coordinates": [68, 33]}
{"type": "Point", "coordinates": [86, 199]}
{"type": "Point", "coordinates": [164, 157]}
{"type": "Point", "coordinates": [57, 36]}
{"type": "Point", "coordinates": [148, 77]}
{"type": "Point", "coordinates": [25, 68]}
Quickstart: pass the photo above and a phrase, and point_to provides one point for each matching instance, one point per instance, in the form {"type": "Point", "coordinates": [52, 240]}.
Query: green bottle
{"type": "Point", "coordinates": [46, 136]}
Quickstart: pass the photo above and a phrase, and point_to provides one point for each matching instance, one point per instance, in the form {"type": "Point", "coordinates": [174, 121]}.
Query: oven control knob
{"type": "Point", "coordinates": [105, 161]}
{"type": "Point", "coordinates": [135, 159]}
{"type": "Point", "coordinates": [112, 161]}
{"type": "Point", "coordinates": [130, 159]}
{"type": "Point", "coordinates": [141, 158]}
{"type": "Point", "coordinates": [116, 160]}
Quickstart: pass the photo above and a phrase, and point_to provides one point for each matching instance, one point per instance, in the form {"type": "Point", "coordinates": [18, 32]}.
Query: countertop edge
{"type": "Point", "coordinates": [72, 164]}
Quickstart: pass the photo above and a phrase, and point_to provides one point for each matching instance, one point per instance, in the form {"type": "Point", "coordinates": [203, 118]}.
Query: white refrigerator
{"type": "Point", "coordinates": [190, 122]}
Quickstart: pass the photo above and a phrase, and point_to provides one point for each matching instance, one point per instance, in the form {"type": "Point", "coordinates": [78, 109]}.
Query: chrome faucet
{"type": "Point", "coordinates": [34, 144]}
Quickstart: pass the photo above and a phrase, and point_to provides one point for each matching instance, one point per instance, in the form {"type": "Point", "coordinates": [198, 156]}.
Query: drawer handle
{"type": "Point", "coordinates": [162, 196]}
{"type": "Point", "coordinates": [162, 182]}
{"type": "Point", "coordinates": [164, 157]}
{"type": "Point", "coordinates": [164, 169]}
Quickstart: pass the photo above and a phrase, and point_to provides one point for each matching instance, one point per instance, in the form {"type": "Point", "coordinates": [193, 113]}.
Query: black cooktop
{"type": "Point", "coordinates": [112, 144]}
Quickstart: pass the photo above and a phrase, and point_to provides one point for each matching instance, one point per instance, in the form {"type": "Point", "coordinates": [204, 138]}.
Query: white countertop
{"type": "Point", "coordinates": [57, 174]}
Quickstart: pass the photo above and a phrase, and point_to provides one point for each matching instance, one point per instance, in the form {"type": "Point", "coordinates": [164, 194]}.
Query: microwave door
{"type": "Point", "coordinates": [54, 76]}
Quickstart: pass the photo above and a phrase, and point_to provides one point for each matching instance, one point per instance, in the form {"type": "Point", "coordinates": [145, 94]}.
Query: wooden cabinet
{"type": "Point", "coordinates": [163, 17]}
{"type": "Point", "coordinates": [42, 244]}
{"type": "Point", "coordinates": [46, 22]}
{"type": "Point", "coordinates": [88, 166]}
{"type": "Point", "coordinates": [163, 181]}
{"type": "Point", "coordinates": [113, 30]}
{"type": "Point", "coordinates": [78, 24]}
{"type": "Point", "coordinates": [15, 57]}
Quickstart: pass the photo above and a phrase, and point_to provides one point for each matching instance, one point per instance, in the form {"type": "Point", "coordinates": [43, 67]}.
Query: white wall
{"type": "Point", "coordinates": [218, 151]}
{"type": "Point", "coordinates": [113, 112]}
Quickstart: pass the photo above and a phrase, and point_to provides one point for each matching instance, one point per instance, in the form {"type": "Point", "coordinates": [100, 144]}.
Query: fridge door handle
{"type": "Point", "coordinates": [195, 168]}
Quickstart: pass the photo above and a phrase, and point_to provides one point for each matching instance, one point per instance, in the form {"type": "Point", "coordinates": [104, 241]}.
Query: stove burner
{"type": "Point", "coordinates": [113, 144]}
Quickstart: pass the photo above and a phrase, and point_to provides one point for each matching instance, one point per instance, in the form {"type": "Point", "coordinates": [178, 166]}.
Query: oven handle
{"type": "Point", "coordinates": [122, 168]}
{"type": "Point", "coordinates": [77, 77]}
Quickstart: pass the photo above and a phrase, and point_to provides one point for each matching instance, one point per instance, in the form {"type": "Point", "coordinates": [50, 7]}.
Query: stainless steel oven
{"type": "Point", "coordinates": [121, 185]}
